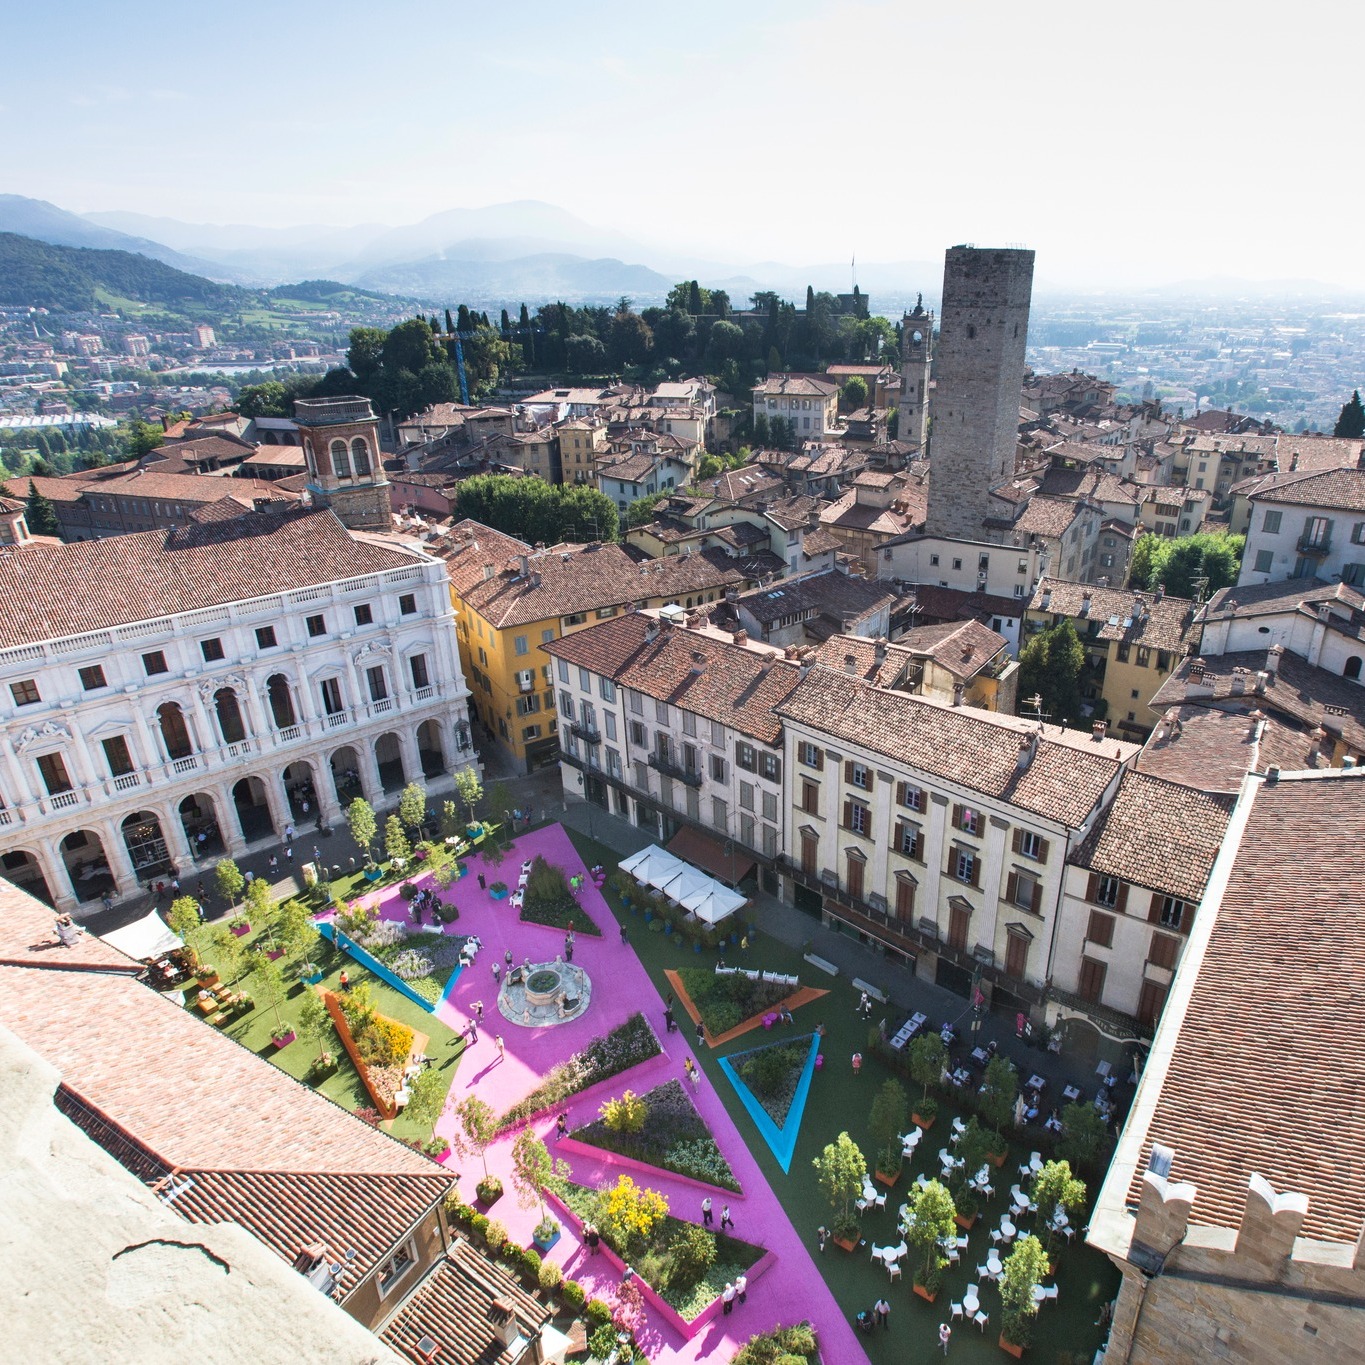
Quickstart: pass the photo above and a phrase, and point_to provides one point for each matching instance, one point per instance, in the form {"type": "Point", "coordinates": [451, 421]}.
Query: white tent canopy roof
{"type": "Point", "coordinates": [711, 901]}
{"type": "Point", "coordinates": [144, 939]}
{"type": "Point", "coordinates": [715, 903]}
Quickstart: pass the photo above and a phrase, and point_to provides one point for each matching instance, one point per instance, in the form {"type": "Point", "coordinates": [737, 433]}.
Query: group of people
{"type": "Point", "coordinates": [735, 1290]}
{"type": "Point", "coordinates": [424, 901]}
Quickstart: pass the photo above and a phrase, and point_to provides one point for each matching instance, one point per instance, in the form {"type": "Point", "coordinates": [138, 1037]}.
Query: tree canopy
{"type": "Point", "coordinates": [1351, 423]}
{"type": "Point", "coordinates": [1176, 563]}
{"type": "Point", "coordinates": [536, 511]}
{"type": "Point", "coordinates": [1050, 665]}
{"type": "Point", "coordinates": [39, 513]}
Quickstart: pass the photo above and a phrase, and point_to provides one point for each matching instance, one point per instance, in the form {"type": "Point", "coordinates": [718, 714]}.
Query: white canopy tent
{"type": "Point", "coordinates": [144, 939]}
{"type": "Point", "coordinates": [686, 883]}
{"type": "Point", "coordinates": [715, 903]}
{"type": "Point", "coordinates": [654, 866]}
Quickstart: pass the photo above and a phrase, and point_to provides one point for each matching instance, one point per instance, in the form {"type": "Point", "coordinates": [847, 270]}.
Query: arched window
{"type": "Point", "coordinates": [360, 455]}
{"type": "Point", "coordinates": [1352, 669]}
{"type": "Point", "coordinates": [341, 464]}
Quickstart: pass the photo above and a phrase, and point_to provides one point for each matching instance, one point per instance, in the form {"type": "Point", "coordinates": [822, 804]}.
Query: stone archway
{"type": "Point", "coordinates": [430, 750]}
{"type": "Point", "coordinates": [146, 844]}
{"type": "Point", "coordinates": [299, 789]}
{"type": "Point", "coordinates": [199, 817]}
{"type": "Point", "coordinates": [83, 856]}
{"type": "Point", "coordinates": [26, 872]}
{"type": "Point", "coordinates": [253, 809]}
{"type": "Point", "coordinates": [345, 766]}
{"type": "Point", "coordinates": [388, 756]}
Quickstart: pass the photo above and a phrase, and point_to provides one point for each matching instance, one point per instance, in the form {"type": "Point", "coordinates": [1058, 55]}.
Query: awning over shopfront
{"type": "Point", "coordinates": [709, 854]}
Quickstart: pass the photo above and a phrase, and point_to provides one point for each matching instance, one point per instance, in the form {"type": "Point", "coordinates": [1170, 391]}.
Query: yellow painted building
{"type": "Point", "coordinates": [510, 602]}
{"type": "Point", "coordinates": [1133, 642]}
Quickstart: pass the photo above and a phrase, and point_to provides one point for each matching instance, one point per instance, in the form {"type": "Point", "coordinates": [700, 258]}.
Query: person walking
{"type": "Point", "coordinates": [701, 1032]}
{"type": "Point", "coordinates": [945, 1335]}
{"type": "Point", "coordinates": [693, 1075]}
{"type": "Point", "coordinates": [483, 882]}
{"type": "Point", "coordinates": [706, 1216]}
{"type": "Point", "coordinates": [344, 982]}
{"type": "Point", "coordinates": [497, 1042]}
{"type": "Point", "coordinates": [289, 854]}
{"type": "Point", "coordinates": [568, 948]}
{"type": "Point", "coordinates": [477, 1007]}
{"type": "Point", "coordinates": [725, 1220]}
{"type": "Point", "coordinates": [741, 1287]}
{"type": "Point", "coordinates": [317, 855]}
{"type": "Point", "coordinates": [496, 970]}
{"type": "Point", "coordinates": [289, 833]}
{"type": "Point", "coordinates": [670, 1024]}
{"type": "Point", "coordinates": [507, 957]}
{"type": "Point", "coordinates": [274, 864]}
{"type": "Point", "coordinates": [857, 1063]}
{"type": "Point", "coordinates": [624, 937]}
{"type": "Point", "coordinates": [561, 1126]}
{"type": "Point", "coordinates": [591, 1238]}
{"type": "Point", "coordinates": [822, 1236]}
{"type": "Point", "coordinates": [728, 1299]}
{"type": "Point", "coordinates": [471, 1032]}
{"type": "Point", "coordinates": [862, 1009]}
{"type": "Point", "coordinates": [881, 1312]}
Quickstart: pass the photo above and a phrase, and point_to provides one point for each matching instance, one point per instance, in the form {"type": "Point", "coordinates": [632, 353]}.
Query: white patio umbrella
{"type": "Point", "coordinates": [686, 882]}
{"type": "Point", "coordinates": [635, 859]}
{"type": "Point", "coordinates": [714, 904]}
{"type": "Point", "coordinates": [660, 870]}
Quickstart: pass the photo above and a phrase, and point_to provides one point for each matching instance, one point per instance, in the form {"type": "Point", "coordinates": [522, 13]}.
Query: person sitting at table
{"type": "Point", "coordinates": [991, 1049]}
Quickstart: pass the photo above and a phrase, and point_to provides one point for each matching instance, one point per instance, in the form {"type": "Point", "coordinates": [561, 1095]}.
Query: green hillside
{"type": "Point", "coordinates": [73, 279]}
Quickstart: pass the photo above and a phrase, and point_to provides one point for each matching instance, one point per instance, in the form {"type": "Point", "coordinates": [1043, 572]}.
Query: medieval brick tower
{"type": "Point", "coordinates": [345, 469]}
{"type": "Point", "coordinates": [979, 375]}
{"type": "Point", "coordinates": [917, 353]}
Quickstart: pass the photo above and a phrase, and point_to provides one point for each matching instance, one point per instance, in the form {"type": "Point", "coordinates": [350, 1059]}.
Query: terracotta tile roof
{"type": "Point", "coordinates": [851, 515]}
{"type": "Point", "coordinates": [52, 591]}
{"type": "Point", "coordinates": [963, 648]}
{"type": "Point", "coordinates": [954, 604]}
{"type": "Point", "coordinates": [1046, 516]}
{"type": "Point", "coordinates": [819, 541]}
{"type": "Point", "coordinates": [28, 938]}
{"type": "Point", "coordinates": [56, 489]}
{"type": "Point", "coordinates": [1158, 834]}
{"type": "Point", "coordinates": [151, 483]}
{"type": "Point", "coordinates": [977, 749]}
{"type": "Point", "coordinates": [1295, 689]}
{"type": "Point", "coordinates": [1091, 482]}
{"type": "Point", "coordinates": [795, 386]}
{"type": "Point", "coordinates": [219, 446]}
{"type": "Point", "coordinates": [831, 594]}
{"type": "Point", "coordinates": [1213, 750]}
{"type": "Point", "coordinates": [589, 577]}
{"type": "Point", "coordinates": [1278, 1061]}
{"type": "Point", "coordinates": [451, 1307]}
{"type": "Point", "coordinates": [1333, 488]}
{"type": "Point", "coordinates": [1272, 599]}
{"type": "Point", "coordinates": [1167, 625]}
{"type": "Point", "coordinates": [871, 664]}
{"type": "Point", "coordinates": [468, 547]}
{"type": "Point", "coordinates": [726, 682]}
{"type": "Point", "coordinates": [792, 513]}
{"type": "Point", "coordinates": [1317, 452]}
{"type": "Point", "coordinates": [750, 481]}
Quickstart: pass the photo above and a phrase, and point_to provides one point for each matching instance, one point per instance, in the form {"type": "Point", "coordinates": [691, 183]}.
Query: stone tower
{"type": "Point", "coordinates": [979, 376]}
{"type": "Point", "coordinates": [917, 352]}
{"type": "Point", "coordinates": [345, 468]}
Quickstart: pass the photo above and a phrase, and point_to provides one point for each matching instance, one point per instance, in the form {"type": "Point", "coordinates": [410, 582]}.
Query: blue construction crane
{"type": "Point", "coordinates": [508, 335]}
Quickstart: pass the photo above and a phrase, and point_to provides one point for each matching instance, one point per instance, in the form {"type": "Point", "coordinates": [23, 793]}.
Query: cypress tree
{"type": "Point", "coordinates": [462, 319]}
{"type": "Point", "coordinates": [1351, 423]}
{"type": "Point", "coordinates": [450, 325]}
{"type": "Point", "coordinates": [39, 513]}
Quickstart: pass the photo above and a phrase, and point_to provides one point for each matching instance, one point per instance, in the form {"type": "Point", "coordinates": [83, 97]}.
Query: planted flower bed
{"type": "Point", "coordinates": [725, 1001]}
{"type": "Point", "coordinates": [688, 1266]}
{"type": "Point", "coordinates": [772, 1074]}
{"type": "Point", "coordinates": [673, 1136]}
{"type": "Point", "coordinates": [627, 1045]}
{"type": "Point", "coordinates": [549, 899]}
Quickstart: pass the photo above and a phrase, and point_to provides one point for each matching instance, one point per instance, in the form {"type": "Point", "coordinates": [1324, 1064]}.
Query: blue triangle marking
{"type": "Point", "coordinates": [781, 1141]}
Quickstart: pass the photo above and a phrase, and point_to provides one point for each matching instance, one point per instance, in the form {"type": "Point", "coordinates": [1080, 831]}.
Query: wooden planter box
{"type": "Point", "coordinates": [965, 1223]}
{"type": "Point", "coordinates": [208, 979]}
{"type": "Point", "coordinates": [925, 1294]}
{"type": "Point", "coordinates": [998, 1159]}
{"type": "Point", "coordinates": [491, 1200]}
{"type": "Point", "coordinates": [846, 1245]}
{"type": "Point", "coordinates": [1010, 1348]}
{"type": "Point", "coordinates": [925, 1124]}
{"type": "Point", "coordinates": [888, 1178]}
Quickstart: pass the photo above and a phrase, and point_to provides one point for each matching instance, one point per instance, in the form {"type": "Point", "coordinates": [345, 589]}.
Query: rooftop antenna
{"type": "Point", "coordinates": [1033, 710]}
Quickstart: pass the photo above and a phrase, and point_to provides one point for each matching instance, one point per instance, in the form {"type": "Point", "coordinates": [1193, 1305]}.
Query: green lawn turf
{"type": "Point", "coordinates": [343, 1086]}
{"type": "Point", "coordinates": [1064, 1334]}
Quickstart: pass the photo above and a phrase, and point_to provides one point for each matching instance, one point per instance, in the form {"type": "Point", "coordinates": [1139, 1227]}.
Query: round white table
{"type": "Point", "coordinates": [1007, 1228]}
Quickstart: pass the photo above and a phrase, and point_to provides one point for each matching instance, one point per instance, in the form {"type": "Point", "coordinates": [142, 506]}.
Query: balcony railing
{"type": "Point", "coordinates": [691, 776]}
{"type": "Point", "coordinates": [127, 781]}
{"type": "Point", "coordinates": [1314, 545]}
{"type": "Point", "coordinates": [589, 734]}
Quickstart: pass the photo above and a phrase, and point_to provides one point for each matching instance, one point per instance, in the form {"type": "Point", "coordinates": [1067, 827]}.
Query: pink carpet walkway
{"type": "Point", "coordinates": [793, 1289]}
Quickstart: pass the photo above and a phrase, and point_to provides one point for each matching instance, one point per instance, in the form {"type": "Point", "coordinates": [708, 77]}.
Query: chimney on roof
{"type": "Point", "coordinates": [523, 566]}
{"type": "Point", "coordinates": [1085, 603]}
{"type": "Point", "coordinates": [1258, 719]}
{"type": "Point", "coordinates": [1160, 592]}
{"type": "Point", "coordinates": [1317, 734]}
{"type": "Point", "coordinates": [651, 631]}
{"type": "Point", "coordinates": [1197, 669]}
{"type": "Point", "coordinates": [1272, 659]}
{"type": "Point", "coordinates": [1347, 763]}
{"type": "Point", "coordinates": [880, 649]}
{"type": "Point", "coordinates": [851, 664]}
{"type": "Point", "coordinates": [741, 637]}
{"type": "Point", "coordinates": [1028, 747]}
{"type": "Point", "coordinates": [958, 693]}
{"type": "Point", "coordinates": [1097, 730]}
{"type": "Point", "coordinates": [1262, 681]}
{"type": "Point", "coordinates": [502, 1319]}
{"type": "Point", "coordinates": [1239, 681]}
{"type": "Point", "coordinates": [1272, 775]}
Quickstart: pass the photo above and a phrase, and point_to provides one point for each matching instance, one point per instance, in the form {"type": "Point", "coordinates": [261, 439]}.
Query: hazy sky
{"type": "Point", "coordinates": [1144, 142]}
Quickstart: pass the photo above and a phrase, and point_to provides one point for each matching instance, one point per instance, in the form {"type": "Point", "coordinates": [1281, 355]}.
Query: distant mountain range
{"type": "Point", "coordinates": [525, 250]}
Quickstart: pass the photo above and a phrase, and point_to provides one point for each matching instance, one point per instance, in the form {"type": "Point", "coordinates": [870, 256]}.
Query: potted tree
{"type": "Point", "coordinates": [498, 890]}
{"type": "Point", "coordinates": [476, 1125]}
{"type": "Point", "coordinates": [972, 1150]}
{"type": "Point", "coordinates": [842, 1172]}
{"type": "Point", "coordinates": [1054, 1188]}
{"type": "Point", "coordinates": [315, 1027]}
{"type": "Point", "coordinates": [889, 1110]}
{"type": "Point", "coordinates": [1083, 1135]}
{"type": "Point", "coordinates": [427, 1097]}
{"type": "Point", "coordinates": [999, 1090]}
{"type": "Point", "coordinates": [183, 920]}
{"type": "Point", "coordinates": [929, 1222]}
{"type": "Point", "coordinates": [926, 1057]}
{"type": "Point", "coordinates": [228, 879]}
{"type": "Point", "coordinates": [532, 1169]}
{"type": "Point", "coordinates": [364, 827]}
{"type": "Point", "coordinates": [1023, 1271]}
{"type": "Point", "coordinates": [270, 984]}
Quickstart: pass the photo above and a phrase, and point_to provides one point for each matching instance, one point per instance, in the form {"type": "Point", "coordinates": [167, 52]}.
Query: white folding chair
{"type": "Point", "coordinates": [996, 1237]}
{"type": "Point", "coordinates": [893, 1270]}
{"type": "Point", "coordinates": [879, 1252]}
{"type": "Point", "coordinates": [982, 1273]}
{"type": "Point", "coordinates": [956, 1309]}
{"type": "Point", "coordinates": [862, 1205]}
{"type": "Point", "coordinates": [981, 1319]}
{"type": "Point", "coordinates": [954, 1256]}
{"type": "Point", "coordinates": [1050, 1292]}
{"type": "Point", "coordinates": [879, 1200]}
{"type": "Point", "coordinates": [988, 1190]}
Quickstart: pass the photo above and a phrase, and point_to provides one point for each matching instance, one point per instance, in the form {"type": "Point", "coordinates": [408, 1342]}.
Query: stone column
{"type": "Point", "coordinates": [116, 855]}
{"type": "Point", "coordinates": [228, 824]}
{"type": "Point", "coordinates": [58, 879]}
{"type": "Point", "coordinates": [177, 841]}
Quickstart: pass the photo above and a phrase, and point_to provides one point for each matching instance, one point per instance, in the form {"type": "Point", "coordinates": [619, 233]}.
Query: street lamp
{"type": "Point", "coordinates": [592, 826]}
